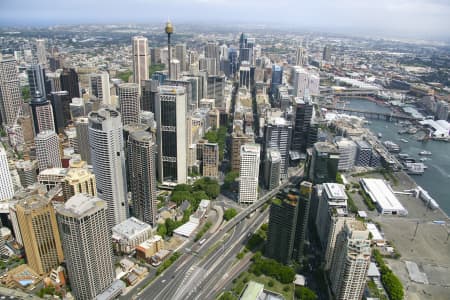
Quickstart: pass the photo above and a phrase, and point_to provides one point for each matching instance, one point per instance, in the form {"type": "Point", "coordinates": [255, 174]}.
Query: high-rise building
{"type": "Point", "coordinates": [108, 161]}
{"type": "Point", "coordinates": [303, 115]}
{"type": "Point", "coordinates": [39, 232]}
{"type": "Point", "coordinates": [210, 159]}
{"type": "Point", "coordinates": [6, 184]}
{"type": "Point", "coordinates": [86, 238]}
{"type": "Point", "coordinates": [42, 113]}
{"type": "Point", "coordinates": [337, 223]}
{"type": "Point", "coordinates": [142, 175]}
{"type": "Point", "coordinates": [347, 154]}
{"type": "Point", "coordinates": [300, 81]}
{"type": "Point", "coordinates": [180, 54]}
{"type": "Point", "coordinates": [322, 163]}
{"type": "Point", "coordinates": [363, 153]}
{"type": "Point", "coordinates": [272, 165]}
{"type": "Point", "coordinates": [61, 109]}
{"type": "Point", "coordinates": [326, 53]}
{"type": "Point", "coordinates": [99, 87]}
{"type": "Point", "coordinates": [281, 232]}
{"type": "Point", "coordinates": [277, 75]}
{"type": "Point", "coordinates": [27, 170]}
{"type": "Point", "coordinates": [69, 82]}
{"type": "Point", "coordinates": [171, 134]}
{"type": "Point", "coordinates": [300, 56]}
{"type": "Point", "coordinates": [249, 173]}
{"type": "Point", "coordinates": [82, 128]}
{"type": "Point", "coordinates": [149, 91]}
{"type": "Point", "coordinates": [278, 135]}
{"type": "Point", "coordinates": [48, 152]}
{"type": "Point", "coordinates": [78, 181]}
{"type": "Point", "coordinates": [212, 52]}
{"type": "Point", "coordinates": [129, 102]}
{"type": "Point", "coordinates": [176, 69]}
{"type": "Point", "coordinates": [216, 90]}
{"type": "Point", "coordinates": [244, 75]}
{"type": "Point", "coordinates": [302, 219]}
{"type": "Point", "coordinates": [141, 59]}
{"type": "Point", "coordinates": [36, 80]}
{"type": "Point", "coordinates": [351, 261]}
{"type": "Point", "coordinates": [442, 110]}
{"type": "Point", "coordinates": [10, 94]}
{"type": "Point", "coordinates": [41, 52]}
{"type": "Point", "coordinates": [238, 138]}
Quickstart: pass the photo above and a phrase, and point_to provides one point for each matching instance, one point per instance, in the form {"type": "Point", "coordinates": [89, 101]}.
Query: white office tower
{"type": "Point", "coordinates": [99, 87]}
{"type": "Point", "coordinates": [108, 161]}
{"type": "Point", "coordinates": [47, 150]}
{"type": "Point", "coordinates": [300, 56]}
{"type": "Point", "coordinates": [171, 110]}
{"type": "Point", "coordinates": [41, 52]}
{"type": "Point", "coordinates": [300, 81]}
{"type": "Point", "coordinates": [141, 59]}
{"type": "Point", "coordinates": [180, 54]}
{"type": "Point", "coordinates": [86, 240]}
{"type": "Point", "coordinates": [130, 105]}
{"type": "Point", "coordinates": [244, 75]}
{"type": "Point", "coordinates": [347, 154]}
{"type": "Point", "coordinates": [350, 261]}
{"type": "Point", "coordinates": [212, 52]}
{"type": "Point", "coordinates": [6, 184]}
{"type": "Point", "coordinates": [278, 135]}
{"type": "Point", "coordinates": [249, 173]}
{"type": "Point", "coordinates": [175, 69]}
{"type": "Point", "coordinates": [314, 84]}
{"type": "Point", "coordinates": [82, 129]}
{"type": "Point", "coordinates": [10, 94]}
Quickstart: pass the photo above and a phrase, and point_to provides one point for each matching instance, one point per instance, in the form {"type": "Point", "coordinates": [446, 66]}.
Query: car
{"type": "Point", "coordinates": [162, 281]}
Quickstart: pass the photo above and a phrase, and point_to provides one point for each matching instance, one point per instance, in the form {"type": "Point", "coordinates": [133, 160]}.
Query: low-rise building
{"type": "Point", "coordinates": [150, 247]}
{"type": "Point", "coordinates": [129, 234]}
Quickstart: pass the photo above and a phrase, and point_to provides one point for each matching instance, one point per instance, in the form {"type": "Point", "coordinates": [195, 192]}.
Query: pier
{"type": "Point", "coordinates": [388, 116]}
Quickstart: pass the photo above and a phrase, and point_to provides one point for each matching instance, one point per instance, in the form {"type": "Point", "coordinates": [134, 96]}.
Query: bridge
{"type": "Point", "coordinates": [348, 92]}
{"type": "Point", "coordinates": [388, 116]}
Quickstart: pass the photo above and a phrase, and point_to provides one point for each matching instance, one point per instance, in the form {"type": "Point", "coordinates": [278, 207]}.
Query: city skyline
{"type": "Point", "coordinates": [426, 19]}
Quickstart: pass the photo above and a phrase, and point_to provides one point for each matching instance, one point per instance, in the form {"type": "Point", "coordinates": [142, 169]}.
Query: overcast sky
{"type": "Point", "coordinates": [409, 18]}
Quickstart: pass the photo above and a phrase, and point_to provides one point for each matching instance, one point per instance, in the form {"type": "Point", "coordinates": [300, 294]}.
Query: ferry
{"type": "Point", "coordinates": [404, 140]}
{"type": "Point", "coordinates": [424, 152]}
{"type": "Point", "coordinates": [391, 146]}
{"type": "Point", "coordinates": [415, 168]}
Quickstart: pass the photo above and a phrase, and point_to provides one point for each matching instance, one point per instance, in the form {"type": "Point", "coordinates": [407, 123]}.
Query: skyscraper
{"type": "Point", "coordinates": [142, 172]}
{"type": "Point", "coordinates": [300, 56]}
{"type": "Point", "coordinates": [82, 128]}
{"type": "Point", "coordinates": [39, 231]}
{"type": "Point", "coordinates": [212, 51]}
{"type": "Point", "coordinates": [129, 102]}
{"type": "Point", "coordinates": [277, 75]}
{"type": "Point", "coordinates": [322, 163]}
{"type": "Point", "coordinates": [61, 109]}
{"type": "Point", "coordinates": [171, 134]}
{"type": "Point", "coordinates": [180, 54]}
{"type": "Point", "coordinates": [41, 52]}
{"type": "Point", "coordinates": [99, 87]}
{"type": "Point", "coordinates": [272, 165]}
{"type": "Point", "coordinates": [302, 219]}
{"type": "Point", "coordinates": [238, 138]}
{"type": "Point", "coordinates": [244, 75]}
{"type": "Point", "coordinates": [69, 82]}
{"type": "Point", "coordinates": [278, 135]}
{"type": "Point", "coordinates": [6, 184]}
{"type": "Point", "coordinates": [36, 80]}
{"type": "Point", "coordinates": [249, 173]}
{"type": "Point", "coordinates": [86, 238]}
{"type": "Point", "coordinates": [303, 115]}
{"type": "Point", "coordinates": [326, 53]}
{"type": "Point", "coordinates": [141, 59]}
{"type": "Point", "coordinates": [78, 181]}
{"type": "Point", "coordinates": [42, 112]}
{"type": "Point", "coordinates": [210, 159]}
{"type": "Point", "coordinates": [351, 261]}
{"type": "Point", "coordinates": [10, 95]}
{"type": "Point", "coordinates": [108, 161]}
{"type": "Point", "coordinates": [149, 91]}
{"type": "Point", "coordinates": [47, 150]}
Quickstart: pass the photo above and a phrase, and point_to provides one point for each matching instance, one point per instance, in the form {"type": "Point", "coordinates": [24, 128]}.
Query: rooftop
{"type": "Point", "coordinates": [335, 191]}
{"type": "Point", "coordinates": [130, 227]}
{"type": "Point", "coordinates": [382, 194]}
{"type": "Point", "coordinates": [81, 205]}
{"type": "Point", "coordinates": [325, 147]}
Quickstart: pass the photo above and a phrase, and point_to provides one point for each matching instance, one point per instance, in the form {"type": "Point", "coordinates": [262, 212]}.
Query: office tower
{"type": "Point", "coordinates": [300, 56]}
{"type": "Point", "coordinates": [277, 76]}
{"type": "Point", "coordinates": [278, 135]}
{"type": "Point", "coordinates": [212, 55]}
{"type": "Point", "coordinates": [169, 31]}
{"type": "Point", "coordinates": [326, 53]}
{"type": "Point", "coordinates": [108, 161]}
{"type": "Point", "coordinates": [149, 91]}
{"type": "Point", "coordinates": [78, 181]}
{"type": "Point", "coordinates": [171, 134]}
{"type": "Point", "coordinates": [313, 84]}
{"type": "Point", "coordinates": [41, 53]}
{"type": "Point", "coordinates": [141, 60]}
{"type": "Point", "coordinates": [52, 177]}
{"type": "Point", "coordinates": [187, 88]}
{"type": "Point", "coordinates": [61, 109]}
{"type": "Point", "coordinates": [281, 232]}
{"type": "Point", "coordinates": [42, 112]}
{"type": "Point", "coordinates": [300, 81]}
{"type": "Point", "coordinates": [350, 261]}
{"type": "Point", "coordinates": [36, 80]}
{"type": "Point", "coordinates": [6, 184]}
{"type": "Point", "coordinates": [322, 163]}
{"type": "Point", "coordinates": [142, 175]}
{"type": "Point", "coordinates": [272, 165]}
{"type": "Point", "coordinates": [302, 219]}
{"type": "Point", "coordinates": [180, 54]}
{"type": "Point", "coordinates": [69, 82]}
{"type": "Point", "coordinates": [244, 75]}
{"type": "Point", "coordinates": [442, 110]}
{"type": "Point", "coordinates": [27, 170]}
{"type": "Point", "coordinates": [99, 87]}
{"type": "Point", "coordinates": [303, 115]}
{"type": "Point", "coordinates": [86, 238]}
{"type": "Point", "coordinates": [77, 108]}
{"type": "Point", "coordinates": [53, 82]}
{"type": "Point", "coordinates": [155, 56]}
{"type": "Point", "coordinates": [210, 159]}
{"type": "Point", "coordinates": [176, 69]}
{"type": "Point", "coordinates": [129, 102]}
{"type": "Point", "coordinates": [233, 59]}
{"type": "Point", "coordinates": [238, 138]}
{"type": "Point", "coordinates": [39, 232]}
{"type": "Point", "coordinates": [216, 90]}
{"type": "Point", "coordinates": [10, 94]}
{"type": "Point", "coordinates": [347, 154]}
{"type": "Point", "coordinates": [363, 153]}
{"type": "Point", "coordinates": [82, 128]}
{"type": "Point", "coordinates": [249, 173]}
{"type": "Point", "coordinates": [47, 150]}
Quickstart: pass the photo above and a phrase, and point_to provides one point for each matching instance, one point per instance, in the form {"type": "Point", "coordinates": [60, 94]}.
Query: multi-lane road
{"type": "Point", "coordinates": [195, 274]}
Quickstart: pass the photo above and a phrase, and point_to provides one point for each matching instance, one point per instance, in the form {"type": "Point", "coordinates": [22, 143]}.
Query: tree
{"type": "Point", "coordinates": [229, 214]}
{"type": "Point", "coordinates": [162, 230]}
{"type": "Point", "coordinates": [305, 293]}
{"type": "Point", "coordinates": [228, 296]}
{"type": "Point", "coordinates": [230, 179]}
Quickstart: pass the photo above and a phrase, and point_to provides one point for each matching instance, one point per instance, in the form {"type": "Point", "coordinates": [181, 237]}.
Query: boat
{"type": "Point", "coordinates": [404, 140]}
{"type": "Point", "coordinates": [403, 155]}
{"type": "Point", "coordinates": [424, 152]}
{"type": "Point", "coordinates": [380, 135]}
{"type": "Point", "coordinates": [412, 130]}
{"type": "Point", "coordinates": [403, 131]}
{"type": "Point", "coordinates": [391, 146]}
{"type": "Point", "coordinates": [415, 168]}
{"type": "Point", "coordinates": [424, 159]}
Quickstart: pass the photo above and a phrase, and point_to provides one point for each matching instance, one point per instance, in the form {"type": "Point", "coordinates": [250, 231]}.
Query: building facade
{"type": "Point", "coordinates": [141, 59]}
{"type": "Point", "coordinates": [42, 113]}
{"type": "Point", "coordinates": [129, 102]}
{"type": "Point", "coordinates": [48, 152]}
{"type": "Point", "coordinates": [6, 184]}
{"type": "Point", "coordinates": [10, 93]}
{"type": "Point", "coordinates": [249, 173]}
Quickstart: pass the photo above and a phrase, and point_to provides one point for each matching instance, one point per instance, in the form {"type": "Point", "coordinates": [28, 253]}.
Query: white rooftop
{"type": "Point", "coordinates": [376, 235]}
{"type": "Point", "coordinates": [54, 171]}
{"type": "Point", "coordinates": [382, 194]}
{"type": "Point", "coordinates": [130, 227]}
{"type": "Point", "coordinates": [81, 205]}
{"type": "Point", "coordinates": [335, 191]}
{"type": "Point", "coordinates": [186, 229]}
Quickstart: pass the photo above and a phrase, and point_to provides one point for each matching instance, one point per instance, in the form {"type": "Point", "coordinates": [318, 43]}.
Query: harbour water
{"type": "Point", "coordinates": [436, 179]}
